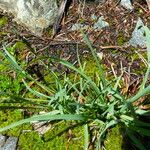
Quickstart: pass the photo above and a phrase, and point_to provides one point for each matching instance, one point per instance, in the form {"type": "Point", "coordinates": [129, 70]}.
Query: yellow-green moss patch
{"type": "Point", "coordinates": [19, 45]}
{"type": "Point", "coordinates": [121, 39]}
{"type": "Point", "coordinates": [9, 116]}
{"type": "Point", "coordinates": [3, 21]}
{"type": "Point", "coordinates": [30, 141]}
{"type": "Point", "coordinates": [114, 139]}
{"type": "Point", "coordinates": [65, 135]}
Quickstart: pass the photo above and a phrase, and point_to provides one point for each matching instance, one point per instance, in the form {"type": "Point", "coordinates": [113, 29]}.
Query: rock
{"type": "Point", "coordinates": [101, 23]}
{"type": "Point", "coordinates": [2, 140]}
{"type": "Point", "coordinates": [78, 26]}
{"type": "Point", "coordinates": [10, 144]}
{"type": "Point", "coordinates": [126, 4]}
{"type": "Point", "coordinates": [138, 38]}
{"type": "Point", "coordinates": [36, 15]}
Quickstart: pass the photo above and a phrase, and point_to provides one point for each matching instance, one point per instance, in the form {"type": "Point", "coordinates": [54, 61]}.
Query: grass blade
{"type": "Point", "coordinates": [69, 65]}
{"type": "Point", "coordinates": [95, 57]}
{"type": "Point", "coordinates": [12, 61]}
{"type": "Point", "coordinates": [35, 92]}
{"type": "Point", "coordinates": [44, 117]}
{"type": "Point", "coordinates": [135, 140]}
{"type": "Point", "coordinates": [148, 42]}
{"type": "Point", "coordinates": [148, 57]}
{"type": "Point", "coordinates": [86, 137]}
{"type": "Point", "coordinates": [141, 131]}
{"type": "Point", "coordinates": [139, 94]}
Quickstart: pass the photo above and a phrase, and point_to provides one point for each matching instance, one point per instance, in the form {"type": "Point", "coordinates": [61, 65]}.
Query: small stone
{"type": "Point", "coordinates": [10, 144]}
{"type": "Point", "coordinates": [2, 140]}
{"type": "Point", "coordinates": [101, 23]}
{"type": "Point", "coordinates": [126, 4]}
{"type": "Point", "coordinates": [138, 38]}
{"type": "Point", "coordinates": [78, 26]}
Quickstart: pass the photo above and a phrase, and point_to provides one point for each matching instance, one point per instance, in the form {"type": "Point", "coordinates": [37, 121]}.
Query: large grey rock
{"type": "Point", "coordinates": [34, 14]}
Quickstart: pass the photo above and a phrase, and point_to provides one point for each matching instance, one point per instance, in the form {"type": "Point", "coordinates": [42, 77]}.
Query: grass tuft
{"type": "Point", "coordinates": [97, 104]}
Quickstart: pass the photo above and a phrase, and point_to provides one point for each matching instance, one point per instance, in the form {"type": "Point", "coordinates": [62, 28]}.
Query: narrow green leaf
{"type": "Point", "coordinates": [44, 117]}
{"type": "Point", "coordinates": [140, 130]}
{"type": "Point", "coordinates": [148, 42]}
{"type": "Point", "coordinates": [69, 65]}
{"type": "Point", "coordinates": [108, 125]}
{"type": "Point", "coordinates": [127, 118]}
{"type": "Point", "coordinates": [141, 123]}
{"type": "Point", "coordinates": [143, 91]}
{"type": "Point", "coordinates": [88, 42]}
{"type": "Point", "coordinates": [143, 112]}
{"type": "Point", "coordinates": [12, 60]}
{"type": "Point", "coordinates": [148, 56]}
{"type": "Point", "coordinates": [86, 137]}
{"type": "Point", "coordinates": [34, 91]}
{"type": "Point", "coordinates": [139, 94]}
{"type": "Point", "coordinates": [135, 140]}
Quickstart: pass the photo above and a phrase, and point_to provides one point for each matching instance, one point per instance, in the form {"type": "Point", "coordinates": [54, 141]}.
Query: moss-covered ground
{"type": "Point", "coordinates": [64, 135]}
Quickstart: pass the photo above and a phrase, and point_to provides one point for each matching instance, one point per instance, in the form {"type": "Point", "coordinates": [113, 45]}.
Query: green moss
{"type": "Point", "coordinates": [30, 141]}
{"type": "Point", "coordinates": [137, 62]}
{"type": "Point", "coordinates": [3, 21]}
{"type": "Point", "coordinates": [2, 34]}
{"type": "Point", "coordinates": [19, 45]}
{"type": "Point", "coordinates": [49, 79]}
{"type": "Point", "coordinates": [9, 116]}
{"type": "Point", "coordinates": [121, 39]}
{"type": "Point", "coordinates": [64, 135]}
{"type": "Point", "coordinates": [10, 85]}
{"type": "Point", "coordinates": [91, 67]}
{"type": "Point", "coordinates": [49, 31]}
{"type": "Point", "coordinates": [114, 139]}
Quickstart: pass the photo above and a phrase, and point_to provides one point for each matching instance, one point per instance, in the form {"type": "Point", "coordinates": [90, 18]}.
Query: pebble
{"type": "Point", "coordinates": [9, 143]}
{"type": "Point", "coordinates": [2, 140]}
